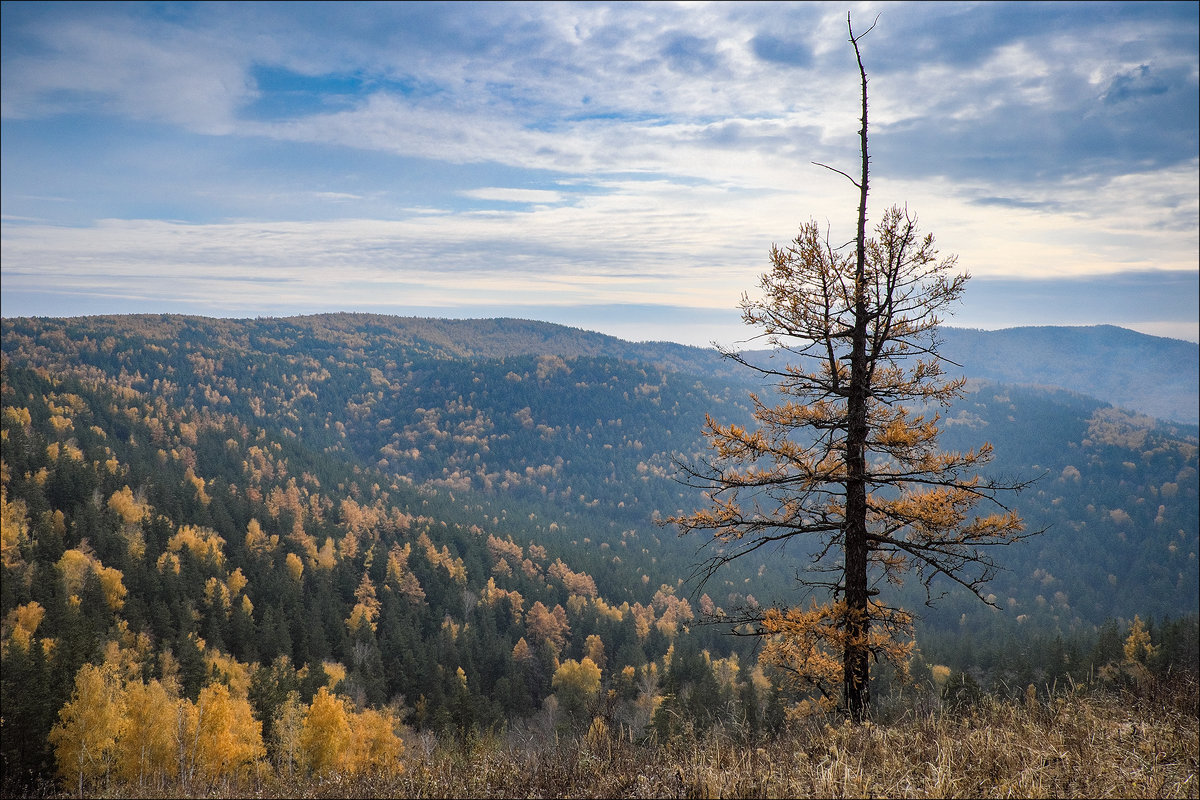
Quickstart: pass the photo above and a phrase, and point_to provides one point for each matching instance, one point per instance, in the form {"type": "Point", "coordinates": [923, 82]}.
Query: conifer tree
{"type": "Point", "coordinates": [847, 461]}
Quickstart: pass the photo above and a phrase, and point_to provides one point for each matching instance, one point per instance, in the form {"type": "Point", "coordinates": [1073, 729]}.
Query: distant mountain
{"type": "Point", "coordinates": [1148, 374]}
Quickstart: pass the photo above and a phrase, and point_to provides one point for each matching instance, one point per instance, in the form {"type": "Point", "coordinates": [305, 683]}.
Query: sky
{"type": "Point", "coordinates": [619, 167]}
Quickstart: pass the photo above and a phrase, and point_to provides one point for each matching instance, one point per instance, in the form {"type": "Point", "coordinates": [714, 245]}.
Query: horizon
{"type": "Point", "coordinates": [622, 168]}
{"type": "Point", "coordinates": [569, 325]}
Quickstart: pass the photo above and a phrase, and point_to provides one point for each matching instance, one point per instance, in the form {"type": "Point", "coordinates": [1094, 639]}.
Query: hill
{"type": "Point", "coordinates": [455, 517]}
{"type": "Point", "coordinates": [1149, 374]}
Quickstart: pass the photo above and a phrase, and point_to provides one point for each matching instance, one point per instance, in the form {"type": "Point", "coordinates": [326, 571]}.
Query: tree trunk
{"type": "Point", "coordinates": [856, 664]}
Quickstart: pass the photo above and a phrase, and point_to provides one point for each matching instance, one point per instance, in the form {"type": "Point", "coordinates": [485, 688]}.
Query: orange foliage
{"type": "Point", "coordinates": [549, 626]}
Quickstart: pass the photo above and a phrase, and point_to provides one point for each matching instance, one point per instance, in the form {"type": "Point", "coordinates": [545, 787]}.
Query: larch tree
{"type": "Point", "coordinates": [846, 461]}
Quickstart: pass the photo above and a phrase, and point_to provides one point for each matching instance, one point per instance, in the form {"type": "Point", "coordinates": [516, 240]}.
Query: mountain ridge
{"type": "Point", "coordinates": [1152, 375]}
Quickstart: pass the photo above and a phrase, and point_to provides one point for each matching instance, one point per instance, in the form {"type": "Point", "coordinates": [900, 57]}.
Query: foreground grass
{"type": "Point", "coordinates": [1093, 747]}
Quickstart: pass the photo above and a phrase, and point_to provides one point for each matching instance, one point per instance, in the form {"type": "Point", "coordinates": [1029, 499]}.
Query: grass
{"type": "Point", "coordinates": [1093, 746]}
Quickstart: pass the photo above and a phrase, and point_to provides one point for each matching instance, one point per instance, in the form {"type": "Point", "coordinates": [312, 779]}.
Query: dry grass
{"type": "Point", "coordinates": [1093, 747]}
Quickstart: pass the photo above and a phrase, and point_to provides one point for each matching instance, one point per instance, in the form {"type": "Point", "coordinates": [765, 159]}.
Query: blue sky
{"type": "Point", "coordinates": [622, 167]}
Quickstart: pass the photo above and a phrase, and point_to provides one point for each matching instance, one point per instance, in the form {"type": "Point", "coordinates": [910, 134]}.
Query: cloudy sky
{"type": "Point", "coordinates": [621, 167]}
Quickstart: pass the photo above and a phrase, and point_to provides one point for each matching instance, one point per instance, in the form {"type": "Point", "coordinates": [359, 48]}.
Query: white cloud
{"type": "Point", "coordinates": [996, 133]}
{"type": "Point", "coordinates": [515, 195]}
{"type": "Point", "coordinates": [114, 65]}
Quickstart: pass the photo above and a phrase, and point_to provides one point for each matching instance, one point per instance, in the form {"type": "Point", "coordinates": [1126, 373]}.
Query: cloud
{"type": "Point", "coordinates": [789, 52]}
{"type": "Point", "coordinates": [116, 65]}
{"type": "Point", "coordinates": [690, 54]}
{"type": "Point", "coordinates": [515, 195]}
{"type": "Point", "coordinates": [588, 153]}
{"type": "Point", "coordinates": [1133, 84]}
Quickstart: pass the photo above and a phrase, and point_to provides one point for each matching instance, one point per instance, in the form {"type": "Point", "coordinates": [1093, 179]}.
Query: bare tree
{"type": "Point", "coordinates": [847, 458]}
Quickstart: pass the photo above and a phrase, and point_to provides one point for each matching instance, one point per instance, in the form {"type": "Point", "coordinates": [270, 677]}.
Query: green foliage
{"type": "Point", "coordinates": [220, 427]}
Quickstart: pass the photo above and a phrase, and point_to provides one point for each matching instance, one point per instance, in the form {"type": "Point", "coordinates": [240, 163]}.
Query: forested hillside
{"type": "Point", "coordinates": [451, 525]}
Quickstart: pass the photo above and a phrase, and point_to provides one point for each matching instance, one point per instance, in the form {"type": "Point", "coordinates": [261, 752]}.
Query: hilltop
{"type": "Point", "coordinates": [452, 519]}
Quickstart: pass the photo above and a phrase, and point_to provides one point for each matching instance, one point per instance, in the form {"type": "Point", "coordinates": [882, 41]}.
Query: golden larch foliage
{"type": "Point", "coordinates": [14, 530]}
{"type": "Point", "coordinates": [295, 566]}
{"type": "Point", "coordinates": [400, 577]}
{"type": "Point", "coordinates": [22, 623]}
{"type": "Point", "coordinates": [75, 564]}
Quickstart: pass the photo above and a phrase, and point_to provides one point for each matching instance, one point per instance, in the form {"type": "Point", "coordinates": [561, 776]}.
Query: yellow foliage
{"type": "Point", "coordinates": [23, 621]}
{"type": "Point", "coordinates": [593, 648]}
{"type": "Point", "coordinates": [204, 543]}
{"type": "Point", "coordinates": [643, 618]}
{"type": "Point", "coordinates": [578, 583]}
{"type": "Point", "coordinates": [325, 734]}
{"type": "Point", "coordinates": [236, 582]}
{"type": "Point", "coordinates": [941, 674]}
{"type": "Point", "coordinates": [20, 416]}
{"type": "Point", "coordinates": [228, 737]}
{"type": "Point", "coordinates": [374, 746]}
{"type": "Point", "coordinates": [400, 577]}
{"type": "Point", "coordinates": [110, 582]}
{"type": "Point", "coordinates": [580, 676]}
{"type": "Point", "coordinates": [168, 561]}
{"type": "Point", "coordinates": [198, 483]}
{"type": "Point", "coordinates": [146, 749]}
{"type": "Point", "coordinates": [233, 673]}
{"type": "Point", "coordinates": [127, 653]}
{"type": "Point", "coordinates": [87, 728]}
{"type": "Point", "coordinates": [295, 566]}
{"type": "Point", "coordinates": [504, 549]}
{"type": "Point", "coordinates": [598, 732]}
{"type": "Point", "coordinates": [217, 593]}
{"type": "Point", "coordinates": [335, 671]}
{"type": "Point", "coordinates": [126, 506]}
{"type": "Point", "coordinates": [366, 611]}
{"type": "Point", "coordinates": [327, 556]}
{"type": "Point", "coordinates": [257, 542]}
{"type": "Point", "coordinates": [442, 558]}
{"type": "Point", "coordinates": [287, 731]}
{"type": "Point", "coordinates": [544, 625]}
{"type": "Point", "coordinates": [14, 530]}
{"type": "Point", "coordinates": [75, 566]}
{"type": "Point", "coordinates": [1137, 645]}
{"type": "Point", "coordinates": [808, 646]}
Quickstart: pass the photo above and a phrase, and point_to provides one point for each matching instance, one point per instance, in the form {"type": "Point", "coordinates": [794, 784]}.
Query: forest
{"type": "Point", "coordinates": [358, 552]}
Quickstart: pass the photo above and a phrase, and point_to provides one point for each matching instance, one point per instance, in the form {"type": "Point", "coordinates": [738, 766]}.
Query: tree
{"type": "Point", "coordinates": [325, 734]}
{"type": "Point", "coordinates": [146, 748]}
{"type": "Point", "coordinates": [576, 684]}
{"type": "Point", "coordinates": [847, 461]}
{"type": "Point", "coordinates": [86, 733]}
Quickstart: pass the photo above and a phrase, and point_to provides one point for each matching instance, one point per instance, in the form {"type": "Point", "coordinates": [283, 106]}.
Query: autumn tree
{"type": "Point", "coordinates": [847, 461]}
{"type": "Point", "coordinates": [86, 734]}
{"type": "Point", "coordinates": [325, 733]}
